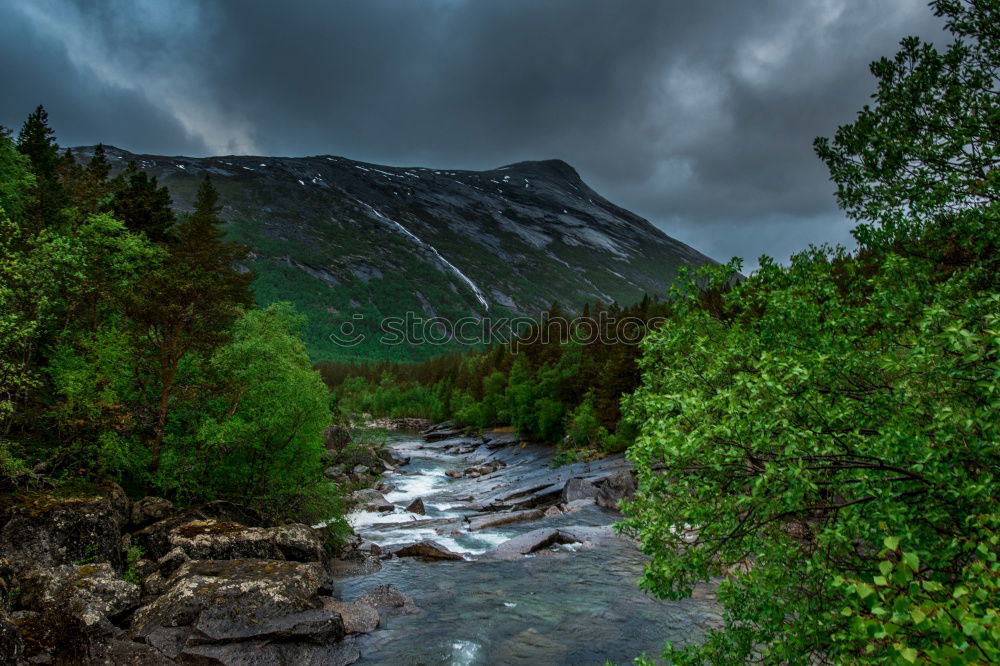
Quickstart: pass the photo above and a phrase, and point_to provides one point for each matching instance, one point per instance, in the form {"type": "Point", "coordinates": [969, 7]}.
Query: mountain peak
{"type": "Point", "coordinates": [342, 238]}
{"type": "Point", "coordinates": [539, 168]}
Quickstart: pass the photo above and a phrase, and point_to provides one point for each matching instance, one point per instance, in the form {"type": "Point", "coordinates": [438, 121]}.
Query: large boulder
{"type": "Point", "coordinates": [244, 612]}
{"type": "Point", "coordinates": [416, 506]}
{"type": "Point", "coordinates": [577, 489]}
{"type": "Point", "coordinates": [50, 531]}
{"type": "Point", "coordinates": [369, 499]}
{"type": "Point", "coordinates": [440, 431]}
{"type": "Point", "coordinates": [428, 550]}
{"type": "Point", "coordinates": [149, 510]}
{"type": "Point", "coordinates": [359, 617]}
{"type": "Point", "coordinates": [118, 651]}
{"type": "Point", "coordinates": [154, 539]}
{"type": "Point", "coordinates": [483, 470]}
{"type": "Point", "coordinates": [298, 542]}
{"type": "Point", "coordinates": [70, 608]}
{"type": "Point", "coordinates": [504, 518]}
{"type": "Point", "coordinates": [617, 487]}
{"type": "Point", "coordinates": [391, 460]}
{"type": "Point", "coordinates": [530, 542]}
{"type": "Point", "coordinates": [224, 540]}
{"type": "Point", "coordinates": [495, 439]}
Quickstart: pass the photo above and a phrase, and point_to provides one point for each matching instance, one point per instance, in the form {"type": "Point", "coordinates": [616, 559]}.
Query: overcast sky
{"type": "Point", "coordinates": [697, 115]}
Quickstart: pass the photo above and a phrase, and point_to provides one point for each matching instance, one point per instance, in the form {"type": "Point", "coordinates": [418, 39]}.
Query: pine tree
{"type": "Point", "coordinates": [188, 306]}
{"type": "Point", "coordinates": [99, 167]}
{"type": "Point", "coordinates": [36, 140]}
{"type": "Point", "coordinates": [142, 205]}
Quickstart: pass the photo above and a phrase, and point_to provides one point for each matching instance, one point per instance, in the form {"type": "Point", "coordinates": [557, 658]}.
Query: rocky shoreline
{"type": "Point", "coordinates": [99, 579]}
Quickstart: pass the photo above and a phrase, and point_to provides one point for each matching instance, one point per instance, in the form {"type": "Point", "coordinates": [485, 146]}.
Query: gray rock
{"type": "Point", "coordinates": [360, 470]}
{"type": "Point", "coordinates": [119, 651]}
{"type": "Point", "coordinates": [576, 505]}
{"type": "Point", "coordinates": [154, 584]}
{"type": "Point", "coordinates": [267, 652]}
{"type": "Point", "coordinates": [530, 542]}
{"type": "Point", "coordinates": [359, 617]}
{"type": "Point", "coordinates": [334, 472]}
{"type": "Point", "coordinates": [51, 531]}
{"type": "Point", "coordinates": [416, 506]}
{"type": "Point", "coordinates": [388, 599]}
{"type": "Point", "coordinates": [298, 542]}
{"type": "Point", "coordinates": [155, 539]}
{"type": "Point", "coordinates": [231, 609]}
{"type": "Point", "coordinates": [171, 562]}
{"type": "Point", "coordinates": [223, 540]}
{"type": "Point", "coordinates": [429, 550]}
{"type": "Point", "coordinates": [498, 519]}
{"type": "Point", "coordinates": [552, 512]}
{"type": "Point", "coordinates": [369, 499]}
{"type": "Point", "coordinates": [496, 440]}
{"type": "Point", "coordinates": [439, 435]}
{"type": "Point", "coordinates": [81, 599]}
{"type": "Point", "coordinates": [617, 487]}
{"type": "Point", "coordinates": [576, 489]}
{"type": "Point", "coordinates": [150, 509]}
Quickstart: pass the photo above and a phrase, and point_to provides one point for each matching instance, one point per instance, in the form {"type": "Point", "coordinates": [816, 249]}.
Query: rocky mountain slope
{"type": "Point", "coordinates": [355, 242]}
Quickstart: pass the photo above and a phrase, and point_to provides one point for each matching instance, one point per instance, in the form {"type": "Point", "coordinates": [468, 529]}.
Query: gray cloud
{"type": "Point", "coordinates": [699, 116]}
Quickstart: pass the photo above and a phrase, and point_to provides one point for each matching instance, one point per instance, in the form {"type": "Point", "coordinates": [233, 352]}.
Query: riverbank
{"type": "Point", "coordinates": [472, 550]}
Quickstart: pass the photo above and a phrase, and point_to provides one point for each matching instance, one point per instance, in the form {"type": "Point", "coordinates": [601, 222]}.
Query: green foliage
{"type": "Point", "coordinates": [127, 351]}
{"type": "Point", "coordinates": [922, 620]}
{"type": "Point", "coordinates": [36, 141]}
{"type": "Point", "coordinates": [262, 441]}
{"type": "Point", "coordinates": [825, 434]}
{"type": "Point", "coordinates": [16, 178]}
{"type": "Point", "coordinates": [551, 380]}
{"type": "Point", "coordinates": [927, 147]}
{"type": "Point", "coordinates": [133, 554]}
{"type": "Point", "coordinates": [827, 409]}
{"type": "Point", "coordinates": [583, 429]}
{"type": "Point", "coordinates": [142, 204]}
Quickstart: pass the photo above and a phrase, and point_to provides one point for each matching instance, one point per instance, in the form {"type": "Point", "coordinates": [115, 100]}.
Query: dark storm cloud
{"type": "Point", "coordinates": [698, 115]}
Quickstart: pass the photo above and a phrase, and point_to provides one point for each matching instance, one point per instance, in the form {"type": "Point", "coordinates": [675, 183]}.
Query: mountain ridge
{"type": "Point", "coordinates": [342, 238]}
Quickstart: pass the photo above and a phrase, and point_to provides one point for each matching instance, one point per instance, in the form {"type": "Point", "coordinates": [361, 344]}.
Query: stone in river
{"type": "Point", "coordinates": [428, 550]}
{"type": "Point", "coordinates": [359, 616]}
{"type": "Point", "coordinates": [496, 520]}
{"type": "Point", "coordinates": [416, 506]}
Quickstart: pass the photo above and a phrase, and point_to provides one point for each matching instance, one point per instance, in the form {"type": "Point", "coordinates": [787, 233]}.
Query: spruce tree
{"type": "Point", "coordinates": [188, 307]}
{"type": "Point", "coordinates": [36, 140]}
{"type": "Point", "coordinates": [142, 204]}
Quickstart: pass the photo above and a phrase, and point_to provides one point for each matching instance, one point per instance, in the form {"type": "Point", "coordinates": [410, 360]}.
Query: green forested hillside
{"type": "Point", "coordinates": [130, 349]}
{"type": "Point", "coordinates": [352, 244]}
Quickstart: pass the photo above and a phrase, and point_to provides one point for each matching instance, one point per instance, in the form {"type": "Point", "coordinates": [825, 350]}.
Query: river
{"type": "Point", "coordinates": [570, 603]}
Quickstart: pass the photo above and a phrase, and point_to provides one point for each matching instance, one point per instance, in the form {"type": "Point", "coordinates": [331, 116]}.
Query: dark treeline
{"type": "Point", "coordinates": [560, 380]}
{"type": "Point", "coordinates": [130, 349]}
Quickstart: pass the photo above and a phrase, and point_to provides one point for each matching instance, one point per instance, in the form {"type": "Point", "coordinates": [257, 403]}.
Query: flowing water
{"type": "Point", "coordinates": [567, 604]}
